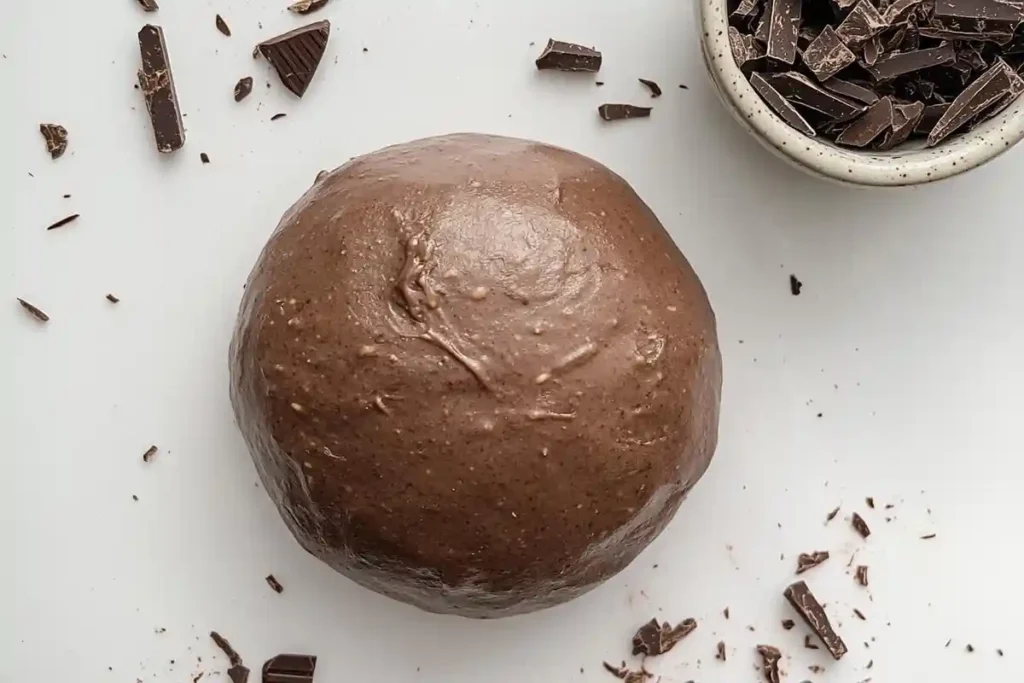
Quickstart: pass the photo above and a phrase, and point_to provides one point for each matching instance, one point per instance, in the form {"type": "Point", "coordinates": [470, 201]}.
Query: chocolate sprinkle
{"type": "Point", "coordinates": [808, 607]}
{"type": "Point", "coordinates": [653, 639]}
{"type": "Point", "coordinates": [289, 669]}
{"type": "Point", "coordinates": [36, 312]}
{"type": "Point", "coordinates": [652, 86]}
{"type": "Point", "coordinates": [157, 83]}
{"type": "Point", "coordinates": [222, 25]}
{"type": "Point", "coordinates": [243, 88]}
{"type": "Point", "coordinates": [295, 55]}
{"type": "Point", "coordinates": [274, 583]}
{"type": "Point", "coordinates": [564, 56]}
{"type": "Point", "coordinates": [62, 221]}
{"type": "Point", "coordinates": [810, 560]}
{"type": "Point", "coordinates": [56, 137]}
{"type": "Point", "coordinates": [770, 657]}
{"type": "Point", "coordinates": [618, 112]}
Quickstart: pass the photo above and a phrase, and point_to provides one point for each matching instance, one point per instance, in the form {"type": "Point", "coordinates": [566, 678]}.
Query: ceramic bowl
{"type": "Point", "coordinates": [909, 164]}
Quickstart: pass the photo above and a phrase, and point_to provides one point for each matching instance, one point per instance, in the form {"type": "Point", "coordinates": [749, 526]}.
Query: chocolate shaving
{"type": "Point", "coordinates": [808, 607]}
{"type": "Point", "coordinates": [770, 657]}
{"type": "Point", "coordinates": [306, 6]}
{"type": "Point", "coordinates": [859, 525]}
{"type": "Point", "coordinates": [148, 455]}
{"type": "Point", "coordinates": [62, 222]}
{"type": "Point", "coordinates": [243, 88]}
{"type": "Point", "coordinates": [653, 639]}
{"type": "Point", "coordinates": [36, 312]}
{"type": "Point", "coordinates": [927, 537]}
{"type": "Point", "coordinates": [652, 86]}
{"type": "Point", "coordinates": [222, 25]}
{"type": "Point", "coordinates": [565, 56]}
{"type": "Point", "coordinates": [800, 90]}
{"type": "Point", "coordinates": [810, 560]}
{"type": "Point", "coordinates": [157, 84]}
{"type": "Point", "coordinates": [861, 575]}
{"type": "Point", "coordinates": [204, 157]}
{"type": "Point", "coordinates": [295, 55]}
{"type": "Point", "coordinates": [861, 25]}
{"type": "Point", "coordinates": [274, 583]}
{"type": "Point", "coordinates": [56, 137]}
{"type": "Point", "coordinates": [794, 288]}
{"type": "Point", "coordinates": [288, 668]}
{"type": "Point", "coordinates": [618, 112]}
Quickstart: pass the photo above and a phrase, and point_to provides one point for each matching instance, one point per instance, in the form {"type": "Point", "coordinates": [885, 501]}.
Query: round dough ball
{"type": "Point", "coordinates": [475, 373]}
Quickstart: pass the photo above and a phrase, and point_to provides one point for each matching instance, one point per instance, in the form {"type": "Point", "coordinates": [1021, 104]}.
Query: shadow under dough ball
{"type": "Point", "coordinates": [475, 373]}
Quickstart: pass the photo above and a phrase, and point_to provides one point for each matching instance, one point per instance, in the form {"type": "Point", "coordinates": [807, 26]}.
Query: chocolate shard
{"type": "Point", "coordinates": [35, 311]}
{"type": "Point", "coordinates": [858, 523]}
{"type": "Point", "coordinates": [149, 5]}
{"type": "Point", "coordinates": [800, 90]}
{"type": "Point", "coordinates": [243, 88]}
{"type": "Point", "coordinates": [295, 55]}
{"type": "Point", "coordinates": [899, 10]}
{"type": "Point", "coordinates": [827, 55]}
{"type": "Point", "coordinates": [872, 50]}
{"type": "Point", "coordinates": [770, 657]}
{"type": "Point", "coordinates": [654, 639]}
{"type": "Point", "coordinates": [617, 112]}
{"type": "Point", "coordinates": [745, 48]}
{"type": "Point", "coordinates": [761, 33]}
{"type": "Point", "coordinates": [56, 137]}
{"type": "Point", "coordinates": [1011, 11]}
{"type": "Point", "coordinates": [652, 86]}
{"type": "Point", "coordinates": [238, 673]}
{"type": "Point", "coordinates": [720, 653]}
{"type": "Point", "coordinates": [222, 642]}
{"type": "Point", "coordinates": [888, 67]}
{"type": "Point", "coordinates": [222, 25]}
{"type": "Point", "coordinates": [810, 560]}
{"type": "Point", "coordinates": [149, 454]}
{"type": "Point", "coordinates": [986, 90]}
{"type": "Point", "coordinates": [780, 105]}
{"type": "Point", "coordinates": [157, 84]}
{"type": "Point", "coordinates": [306, 6]}
{"type": "Point", "coordinates": [904, 120]}
{"type": "Point", "coordinates": [112, 299]}
{"type": "Point", "coordinates": [747, 10]}
{"type": "Point", "coordinates": [810, 610]}
{"type": "Point", "coordinates": [860, 25]}
{"type": "Point", "coordinates": [274, 584]}
{"type": "Point", "coordinates": [288, 668]}
{"type": "Point", "coordinates": [993, 32]}
{"type": "Point", "coordinates": [851, 91]}
{"type": "Point", "coordinates": [63, 221]}
{"type": "Point", "coordinates": [783, 28]}
{"type": "Point", "coordinates": [569, 57]}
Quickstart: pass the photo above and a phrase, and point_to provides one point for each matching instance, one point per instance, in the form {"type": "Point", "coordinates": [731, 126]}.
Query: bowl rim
{"type": "Point", "coordinates": [896, 168]}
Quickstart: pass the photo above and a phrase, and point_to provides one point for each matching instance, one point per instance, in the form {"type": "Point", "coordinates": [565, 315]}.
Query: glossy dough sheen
{"type": "Point", "coordinates": [475, 373]}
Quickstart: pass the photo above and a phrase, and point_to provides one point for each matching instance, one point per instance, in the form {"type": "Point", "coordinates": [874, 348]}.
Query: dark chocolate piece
{"type": "Point", "coordinates": [778, 103]}
{"type": "Point", "coordinates": [149, 454]}
{"type": "Point", "coordinates": [295, 55]}
{"type": "Point", "coordinates": [860, 25]}
{"type": "Point", "coordinates": [898, 11]}
{"type": "Point", "coordinates": [999, 33]}
{"type": "Point", "coordinates": [861, 575]}
{"type": "Point", "coordinates": [157, 83]}
{"type": "Point", "coordinates": [969, 648]}
{"type": "Point", "coordinates": [222, 642]}
{"type": "Point", "coordinates": [627, 675]}
{"type": "Point", "coordinates": [1010, 11]}
{"type": "Point", "coordinates": [761, 32]}
{"type": "Point", "coordinates": [904, 120]}
{"type": "Point", "coordinates": [870, 502]}
{"type": "Point", "coordinates": [747, 10]}
{"type": "Point", "coordinates": [617, 112]}
{"type": "Point", "coordinates": [788, 624]}
{"type": "Point", "coordinates": [306, 6]}
{"type": "Point", "coordinates": [238, 673]}
{"type": "Point", "coordinates": [859, 614]}
{"type": "Point", "coordinates": [808, 607]}
{"type": "Point", "coordinates": [275, 117]}
{"type": "Point", "coordinates": [850, 91]}
{"type": "Point", "coordinates": [243, 88]}
{"type": "Point", "coordinates": [795, 285]}
{"type": "Point", "coordinates": [725, 613]}
{"type": "Point", "coordinates": [745, 48]}
{"type": "Point", "coordinates": [831, 515]}
{"type": "Point", "coordinates": [872, 50]}
{"type": "Point", "coordinates": [62, 221]}
{"type": "Point", "coordinates": [112, 299]}
{"type": "Point", "coordinates": [989, 88]}
{"type": "Point", "coordinates": [655, 639]}
{"type": "Point", "coordinates": [810, 560]}
{"type": "Point", "coordinates": [827, 55]}
{"type": "Point", "coordinates": [36, 312]}
{"type": "Point", "coordinates": [56, 137]}
{"type": "Point", "coordinates": [274, 583]}
{"type": "Point", "coordinates": [204, 157]}
{"type": "Point", "coordinates": [569, 57]}
{"type": "Point", "coordinates": [770, 657]}
{"type": "Point", "coordinates": [859, 525]}
{"type": "Point", "coordinates": [783, 26]}
{"type": "Point", "coordinates": [809, 644]}
{"type": "Point", "coordinates": [652, 86]}
{"type": "Point", "coordinates": [888, 67]}
{"type": "Point", "coordinates": [149, 5]}
{"type": "Point", "coordinates": [289, 669]}
{"type": "Point", "coordinates": [222, 25]}
{"type": "Point", "coordinates": [931, 116]}
{"type": "Point", "coordinates": [800, 90]}
{"type": "Point", "coordinates": [720, 651]}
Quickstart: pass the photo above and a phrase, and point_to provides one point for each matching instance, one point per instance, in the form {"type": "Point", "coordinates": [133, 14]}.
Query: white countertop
{"type": "Point", "coordinates": [907, 340]}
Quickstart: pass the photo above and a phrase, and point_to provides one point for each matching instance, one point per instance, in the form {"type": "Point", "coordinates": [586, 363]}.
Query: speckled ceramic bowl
{"type": "Point", "coordinates": [909, 164]}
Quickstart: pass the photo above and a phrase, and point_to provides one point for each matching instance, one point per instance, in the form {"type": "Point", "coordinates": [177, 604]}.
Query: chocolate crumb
{"type": "Point", "coordinates": [948, 642]}
{"type": "Point", "coordinates": [62, 221]}
{"type": "Point", "coordinates": [67, 196]}
{"type": "Point", "coordinates": [860, 526]}
{"type": "Point", "coordinates": [222, 25]}
{"type": "Point", "coordinates": [720, 651]}
{"type": "Point", "coordinates": [788, 624]}
{"type": "Point", "coordinates": [684, 87]}
{"type": "Point", "coordinates": [999, 652]}
{"type": "Point", "coordinates": [816, 669]}
{"type": "Point", "coordinates": [970, 648]}
{"type": "Point", "coordinates": [725, 613]}
{"type": "Point", "coordinates": [810, 644]}
{"type": "Point", "coordinates": [653, 639]}
{"type": "Point", "coordinates": [274, 583]}
{"type": "Point", "coordinates": [860, 615]}
{"type": "Point", "coordinates": [56, 137]}
{"type": "Point", "coordinates": [870, 501]}
{"type": "Point", "coordinates": [149, 5]}
{"type": "Point", "coordinates": [652, 86]}
{"type": "Point", "coordinates": [134, 497]}
{"type": "Point", "coordinates": [599, 83]}
{"type": "Point", "coordinates": [861, 575]}
{"type": "Point", "coordinates": [148, 455]}
{"type": "Point", "coordinates": [306, 6]}
{"type": "Point", "coordinates": [204, 157]}
{"type": "Point", "coordinates": [810, 560]}
{"type": "Point", "coordinates": [36, 312]}
{"type": "Point", "coordinates": [112, 299]}
{"type": "Point", "coordinates": [831, 515]}
{"type": "Point", "coordinates": [770, 656]}
{"type": "Point", "coordinates": [795, 285]}
{"type": "Point", "coordinates": [243, 88]}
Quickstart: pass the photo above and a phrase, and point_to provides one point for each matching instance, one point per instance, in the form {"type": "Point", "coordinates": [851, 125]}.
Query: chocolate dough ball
{"type": "Point", "coordinates": [475, 373]}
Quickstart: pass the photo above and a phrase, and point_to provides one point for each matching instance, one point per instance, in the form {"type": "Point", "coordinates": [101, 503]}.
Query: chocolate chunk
{"type": "Point", "coordinates": [222, 25]}
{"type": "Point", "coordinates": [931, 116]}
{"type": "Point", "coordinates": [149, 454]}
{"type": "Point", "coordinates": [222, 642]}
{"type": "Point", "coordinates": [861, 574]}
{"type": "Point", "coordinates": [808, 607]}
{"type": "Point", "coordinates": [306, 6]}
{"type": "Point", "coordinates": [56, 137]}
{"type": "Point", "coordinates": [652, 86]}
{"type": "Point", "coordinates": [795, 285]}
{"type": "Point", "coordinates": [569, 57]}
{"type": "Point", "coordinates": [904, 120]}
{"type": "Point", "coordinates": [204, 157]}
{"type": "Point", "coordinates": [617, 112]}
{"type": "Point", "coordinates": [860, 25]}
{"type": "Point", "coordinates": [783, 26]}
{"type": "Point", "coordinates": [720, 651]}
{"type": "Point", "coordinates": [295, 55]}
{"type": "Point", "coordinates": [859, 525]}
{"type": "Point", "coordinates": [788, 624]}
{"type": "Point", "coordinates": [745, 48]}
{"type": "Point", "coordinates": [800, 90]}
{"type": "Point", "coordinates": [889, 67]}
{"type": "Point", "coordinates": [157, 83]}
{"type": "Point", "coordinates": [238, 674]}
{"type": "Point", "coordinates": [149, 5]}
{"type": "Point", "coordinates": [898, 11]}
{"type": "Point", "coordinates": [991, 87]}
{"type": "Point", "coordinates": [274, 583]}
{"type": "Point", "coordinates": [810, 560]}
{"type": "Point", "coordinates": [872, 50]}
{"type": "Point", "coordinates": [770, 657]}
{"type": "Point", "coordinates": [275, 117]}
{"type": "Point", "coordinates": [243, 88]}
{"type": "Point", "coordinates": [780, 105]}
{"type": "Point", "coordinates": [653, 639]}
{"type": "Point", "coordinates": [1010, 11]}
{"type": "Point", "coordinates": [289, 669]}
{"type": "Point", "coordinates": [37, 313]}
{"type": "Point", "coordinates": [827, 55]}
{"type": "Point", "coordinates": [112, 299]}
{"type": "Point", "coordinates": [62, 221]}
{"type": "Point", "coordinates": [850, 91]}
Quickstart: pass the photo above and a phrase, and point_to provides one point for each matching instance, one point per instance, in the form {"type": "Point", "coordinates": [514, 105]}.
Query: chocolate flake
{"type": "Point", "coordinates": [788, 624]}
{"type": "Point", "coordinates": [36, 312]}
{"type": "Point", "coordinates": [888, 67]}
{"type": "Point", "coordinates": [306, 6]}
{"type": "Point", "coordinates": [618, 112]}
{"type": "Point", "coordinates": [157, 83]}
{"type": "Point", "coordinates": [831, 515]}
{"type": "Point", "coordinates": [1011, 11]}
{"type": "Point", "coordinates": [62, 221]}
{"type": "Point", "coordinates": [810, 644]}
{"type": "Point", "coordinates": [149, 5]}
{"type": "Point", "coordinates": [56, 137]}
{"type": "Point", "coordinates": [745, 48]}
{"type": "Point", "coordinates": [222, 25]}
{"type": "Point", "coordinates": [238, 673]}
{"type": "Point", "coordinates": [275, 117]}
{"type": "Point", "coordinates": [927, 537]}
{"type": "Point", "coordinates": [780, 105]}
{"type": "Point", "coordinates": [243, 88]}
{"type": "Point", "coordinates": [720, 653]}
{"type": "Point", "coordinates": [653, 639]}
{"type": "Point", "coordinates": [149, 454]}
{"type": "Point", "coordinates": [861, 575]}
{"type": "Point", "coordinates": [770, 657]}
{"type": "Point", "coordinates": [564, 56]}
{"type": "Point", "coordinates": [652, 86]}
{"type": "Point", "coordinates": [204, 157]}
{"type": "Point", "coordinates": [288, 668]}
{"type": "Point", "coordinates": [827, 55]}
{"type": "Point", "coordinates": [859, 614]}
{"type": "Point", "coordinates": [112, 299]}
{"type": "Point", "coordinates": [969, 648]}
{"type": "Point", "coordinates": [800, 90]}
{"type": "Point", "coordinates": [863, 23]}
{"type": "Point", "coordinates": [808, 607]}
{"type": "Point", "coordinates": [991, 87]}
{"type": "Point", "coordinates": [295, 55]}
{"type": "Point", "coordinates": [783, 26]}
{"type": "Point", "coordinates": [625, 674]}
{"type": "Point", "coordinates": [810, 560]}
{"type": "Point", "coordinates": [904, 120]}
{"type": "Point", "coordinates": [859, 525]}
{"type": "Point", "coordinates": [870, 501]}
{"type": "Point", "coordinates": [725, 613]}
{"type": "Point", "coordinates": [274, 583]}
{"type": "Point", "coordinates": [794, 288]}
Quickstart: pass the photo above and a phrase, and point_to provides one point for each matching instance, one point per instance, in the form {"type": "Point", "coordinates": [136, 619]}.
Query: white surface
{"type": "Point", "coordinates": [907, 338]}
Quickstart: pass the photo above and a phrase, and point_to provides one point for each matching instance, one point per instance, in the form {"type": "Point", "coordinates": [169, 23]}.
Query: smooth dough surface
{"type": "Point", "coordinates": [475, 373]}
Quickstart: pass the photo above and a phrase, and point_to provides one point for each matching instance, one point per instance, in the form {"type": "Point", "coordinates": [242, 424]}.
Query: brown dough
{"type": "Point", "coordinates": [475, 373]}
